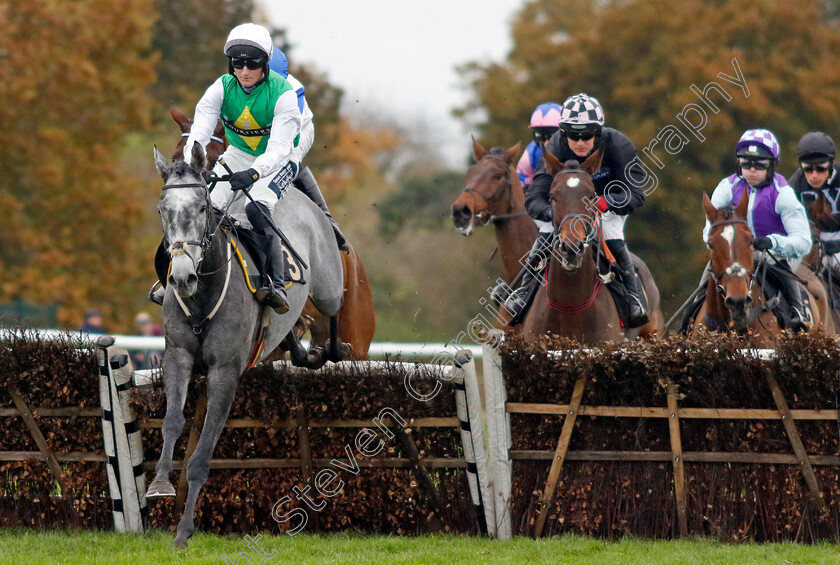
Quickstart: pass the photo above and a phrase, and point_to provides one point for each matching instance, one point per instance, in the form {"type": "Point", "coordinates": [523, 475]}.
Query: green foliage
{"type": "Point", "coordinates": [420, 202]}
{"type": "Point", "coordinates": [73, 79]}
{"type": "Point", "coordinates": [640, 60]}
{"type": "Point", "coordinates": [190, 35]}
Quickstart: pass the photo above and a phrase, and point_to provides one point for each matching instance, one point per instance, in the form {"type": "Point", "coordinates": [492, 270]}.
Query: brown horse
{"type": "Point", "coordinates": [734, 298]}
{"type": "Point", "coordinates": [494, 194]}
{"type": "Point", "coordinates": [819, 213]}
{"type": "Point", "coordinates": [356, 319]}
{"type": "Point", "coordinates": [574, 302]}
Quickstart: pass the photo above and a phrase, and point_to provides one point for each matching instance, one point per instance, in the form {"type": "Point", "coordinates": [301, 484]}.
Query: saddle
{"type": "Point", "coordinates": [247, 244]}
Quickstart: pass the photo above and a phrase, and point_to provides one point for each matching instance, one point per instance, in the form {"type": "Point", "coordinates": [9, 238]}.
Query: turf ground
{"type": "Point", "coordinates": [106, 548]}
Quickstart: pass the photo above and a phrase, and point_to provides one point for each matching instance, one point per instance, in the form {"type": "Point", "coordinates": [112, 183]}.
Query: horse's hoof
{"type": "Point", "coordinates": [316, 358]}
{"type": "Point", "coordinates": [160, 488]}
{"type": "Point", "coordinates": [343, 350]}
{"type": "Point", "coordinates": [180, 543]}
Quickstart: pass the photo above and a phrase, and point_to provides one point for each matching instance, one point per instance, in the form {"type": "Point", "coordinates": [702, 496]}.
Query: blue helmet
{"type": "Point", "coordinates": [278, 63]}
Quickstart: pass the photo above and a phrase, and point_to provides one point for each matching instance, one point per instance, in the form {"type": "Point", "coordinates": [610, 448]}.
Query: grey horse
{"type": "Point", "coordinates": [220, 346]}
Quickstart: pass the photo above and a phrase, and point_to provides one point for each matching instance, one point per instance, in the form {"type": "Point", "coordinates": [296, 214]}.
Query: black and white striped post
{"type": "Point", "coordinates": [121, 434]}
{"type": "Point", "coordinates": [468, 406]}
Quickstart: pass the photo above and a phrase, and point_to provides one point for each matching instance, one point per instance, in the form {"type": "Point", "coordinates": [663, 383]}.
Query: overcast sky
{"type": "Point", "coordinates": [399, 56]}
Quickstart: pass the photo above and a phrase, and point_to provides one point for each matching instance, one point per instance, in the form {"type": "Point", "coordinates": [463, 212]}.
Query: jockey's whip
{"type": "Point", "coordinates": [268, 217]}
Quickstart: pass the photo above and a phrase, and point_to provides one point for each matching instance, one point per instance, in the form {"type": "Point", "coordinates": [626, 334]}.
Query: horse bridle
{"type": "Point", "coordinates": [735, 269]}
{"type": "Point", "coordinates": [179, 247]}
{"type": "Point", "coordinates": [592, 228]}
{"type": "Point", "coordinates": [506, 185]}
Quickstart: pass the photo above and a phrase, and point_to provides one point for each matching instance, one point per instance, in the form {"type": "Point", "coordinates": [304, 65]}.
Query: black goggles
{"type": "Point", "coordinates": [252, 64]}
{"type": "Point", "coordinates": [751, 163]}
{"type": "Point", "coordinates": [811, 168]}
{"type": "Point", "coordinates": [583, 135]}
{"type": "Point", "coordinates": [543, 133]}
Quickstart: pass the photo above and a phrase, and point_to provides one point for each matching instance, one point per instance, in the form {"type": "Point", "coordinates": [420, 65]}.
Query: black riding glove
{"type": "Point", "coordinates": [762, 243]}
{"type": "Point", "coordinates": [207, 176]}
{"type": "Point", "coordinates": [243, 179]}
{"type": "Point", "coordinates": [831, 247]}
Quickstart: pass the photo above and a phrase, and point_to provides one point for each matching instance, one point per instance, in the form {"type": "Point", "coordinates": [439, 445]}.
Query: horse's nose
{"type": "Point", "coordinates": [738, 304]}
{"type": "Point", "coordinates": [461, 215]}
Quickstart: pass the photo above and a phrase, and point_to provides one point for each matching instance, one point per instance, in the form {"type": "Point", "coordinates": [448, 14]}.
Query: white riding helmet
{"type": "Point", "coordinates": [249, 36]}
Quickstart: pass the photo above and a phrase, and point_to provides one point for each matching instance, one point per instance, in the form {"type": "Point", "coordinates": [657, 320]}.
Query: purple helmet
{"type": "Point", "coordinates": [758, 143]}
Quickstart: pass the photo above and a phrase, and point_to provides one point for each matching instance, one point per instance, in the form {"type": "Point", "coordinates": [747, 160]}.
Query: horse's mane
{"type": "Point", "coordinates": [727, 212]}
{"type": "Point", "coordinates": [571, 164]}
{"type": "Point", "coordinates": [180, 168]}
{"type": "Point", "coordinates": [497, 150]}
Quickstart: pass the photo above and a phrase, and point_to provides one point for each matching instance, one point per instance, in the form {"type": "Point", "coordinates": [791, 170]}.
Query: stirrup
{"type": "Point", "coordinates": [500, 293]}
{"type": "Point", "coordinates": [274, 297]}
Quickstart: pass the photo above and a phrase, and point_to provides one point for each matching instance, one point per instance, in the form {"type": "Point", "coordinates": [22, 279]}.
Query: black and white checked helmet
{"type": "Point", "coordinates": [581, 110]}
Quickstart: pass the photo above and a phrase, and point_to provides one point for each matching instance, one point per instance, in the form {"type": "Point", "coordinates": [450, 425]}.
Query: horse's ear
{"type": "Point", "coordinates": [743, 205]}
{"type": "Point", "coordinates": [709, 208]}
{"type": "Point", "coordinates": [199, 160]}
{"type": "Point", "coordinates": [478, 151]}
{"type": "Point", "coordinates": [180, 118]}
{"type": "Point", "coordinates": [593, 162]}
{"type": "Point", "coordinates": [219, 130]}
{"type": "Point", "coordinates": [511, 153]}
{"type": "Point", "coordinates": [552, 163]}
{"type": "Point", "coordinates": [161, 164]}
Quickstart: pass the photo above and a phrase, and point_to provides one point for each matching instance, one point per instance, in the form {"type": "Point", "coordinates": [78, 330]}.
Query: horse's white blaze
{"type": "Point", "coordinates": [728, 233]}
{"type": "Point", "coordinates": [572, 182]}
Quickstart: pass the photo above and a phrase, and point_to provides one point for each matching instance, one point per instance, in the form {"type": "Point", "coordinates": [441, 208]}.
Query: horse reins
{"type": "Point", "coordinates": [178, 248]}
{"type": "Point", "coordinates": [506, 185]}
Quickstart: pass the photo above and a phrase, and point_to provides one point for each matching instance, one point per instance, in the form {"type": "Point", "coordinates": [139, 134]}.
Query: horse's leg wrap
{"type": "Point", "coordinates": [273, 294]}
{"type": "Point", "coordinates": [637, 316]}
{"type": "Point", "coordinates": [306, 183]}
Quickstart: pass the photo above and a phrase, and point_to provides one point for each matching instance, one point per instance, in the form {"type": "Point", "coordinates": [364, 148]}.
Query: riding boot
{"type": "Point", "coordinates": [157, 292]}
{"type": "Point", "coordinates": [274, 293]}
{"type": "Point", "coordinates": [637, 315]}
{"type": "Point", "coordinates": [789, 288]}
{"type": "Point", "coordinates": [306, 183]}
{"type": "Point", "coordinates": [530, 275]}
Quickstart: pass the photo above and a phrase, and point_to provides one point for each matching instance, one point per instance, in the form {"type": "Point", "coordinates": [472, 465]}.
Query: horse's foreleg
{"type": "Point", "coordinates": [221, 388]}
{"type": "Point", "coordinates": [177, 367]}
{"type": "Point", "coordinates": [336, 350]}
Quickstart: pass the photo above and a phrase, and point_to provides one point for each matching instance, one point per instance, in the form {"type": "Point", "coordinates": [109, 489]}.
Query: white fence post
{"type": "Point", "coordinates": [468, 406]}
{"type": "Point", "coordinates": [498, 432]}
{"type": "Point", "coordinates": [121, 434]}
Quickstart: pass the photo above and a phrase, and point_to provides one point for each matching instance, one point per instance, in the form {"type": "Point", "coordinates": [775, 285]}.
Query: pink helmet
{"type": "Point", "coordinates": [546, 115]}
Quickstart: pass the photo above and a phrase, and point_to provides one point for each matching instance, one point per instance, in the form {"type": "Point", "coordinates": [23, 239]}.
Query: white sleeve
{"type": "Point", "coordinates": [797, 242]}
{"type": "Point", "coordinates": [284, 128]}
{"type": "Point", "coordinates": [722, 196]}
{"type": "Point", "coordinates": [207, 113]}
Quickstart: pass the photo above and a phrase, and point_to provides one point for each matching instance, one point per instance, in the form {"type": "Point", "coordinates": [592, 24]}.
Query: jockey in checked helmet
{"type": "Point", "coordinates": [582, 133]}
{"type": "Point", "coordinates": [305, 181]}
{"type": "Point", "coordinates": [776, 217]}
{"type": "Point", "coordinates": [259, 109]}
{"type": "Point", "coordinates": [818, 173]}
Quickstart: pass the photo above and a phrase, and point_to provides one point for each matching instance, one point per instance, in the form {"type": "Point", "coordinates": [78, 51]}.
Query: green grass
{"type": "Point", "coordinates": [94, 548]}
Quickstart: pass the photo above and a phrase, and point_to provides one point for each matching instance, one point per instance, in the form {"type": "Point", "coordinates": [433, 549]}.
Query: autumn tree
{"type": "Point", "coordinates": [646, 62]}
{"type": "Point", "coordinates": [73, 81]}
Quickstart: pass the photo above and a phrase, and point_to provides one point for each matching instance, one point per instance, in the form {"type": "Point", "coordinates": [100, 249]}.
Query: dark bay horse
{"type": "Point", "coordinates": [734, 297]}
{"type": "Point", "coordinates": [818, 260]}
{"type": "Point", "coordinates": [574, 302]}
{"type": "Point", "coordinates": [211, 318]}
{"type": "Point", "coordinates": [356, 319]}
{"type": "Point", "coordinates": [494, 194]}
